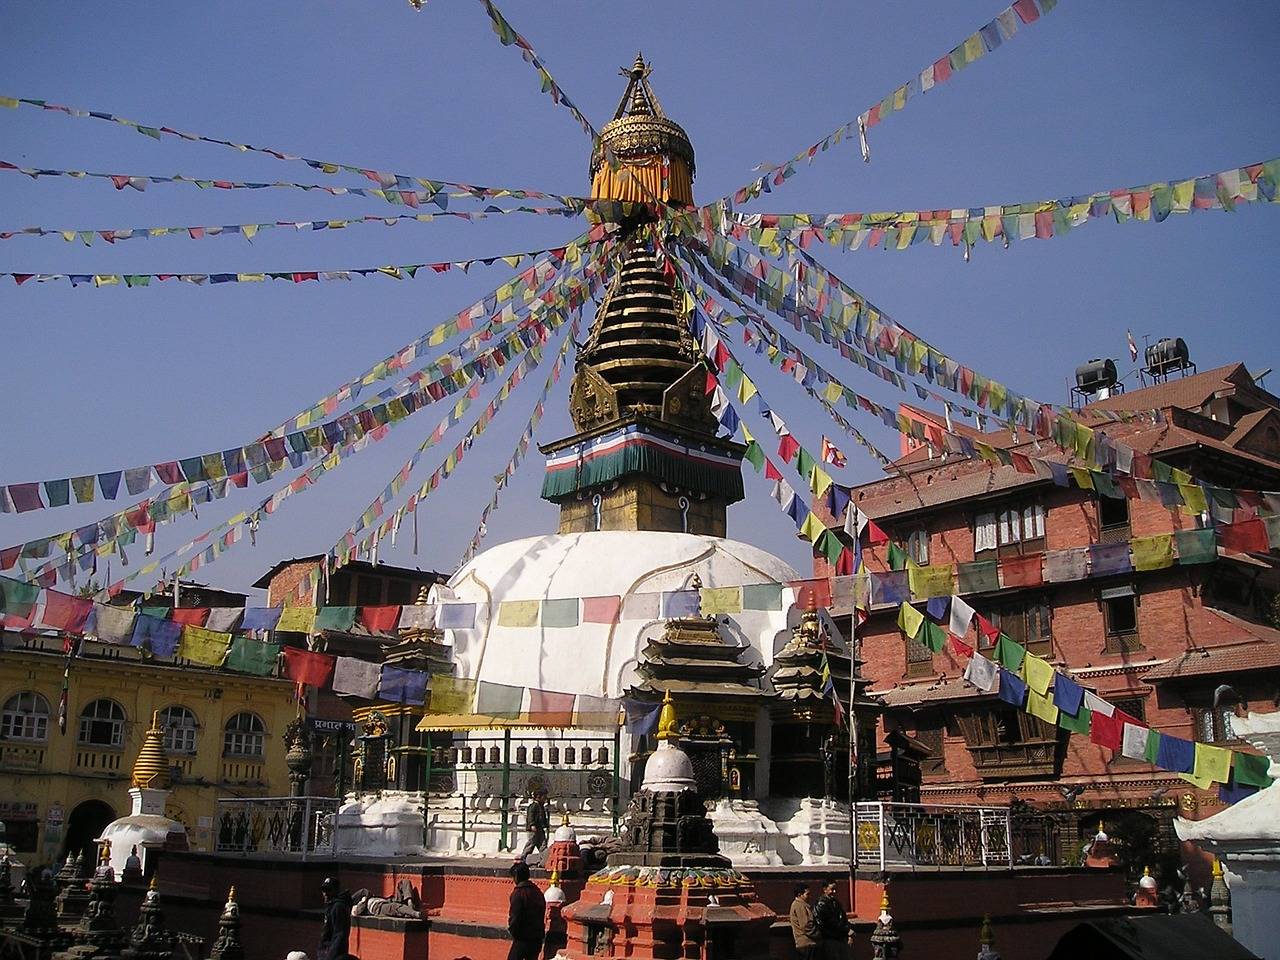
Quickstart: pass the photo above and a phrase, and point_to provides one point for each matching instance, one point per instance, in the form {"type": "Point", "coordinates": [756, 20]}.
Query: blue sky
{"type": "Point", "coordinates": [1096, 96]}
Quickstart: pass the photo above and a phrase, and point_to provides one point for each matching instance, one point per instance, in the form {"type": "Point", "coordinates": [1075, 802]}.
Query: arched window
{"type": "Point", "coordinates": [25, 717]}
{"type": "Point", "coordinates": [179, 726]}
{"type": "Point", "coordinates": [244, 736]}
{"type": "Point", "coordinates": [102, 724]}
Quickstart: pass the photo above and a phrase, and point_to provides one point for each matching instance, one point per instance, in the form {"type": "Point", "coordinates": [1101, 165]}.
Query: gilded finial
{"type": "Point", "coordinates": [555, 878]}
{"type": "Point", "coordinates": [231, 894]}
{"type": "Point", "coordinates": [667, 718]}
{"type": "Point", "coordinates": [104, 852]}
{"type": "Point", "coordinates": [151, 769]}
{"type": "Point", "coordinates": [985, 936]}
{"type": "Point", "coordinates": [152, 885]}
{"type": "Point", "coordinates": [564, 818]}
{"type": "Point", "coordinates": [884, 900]}
{"type": "Point", "coordinates": [1146, 871]}
{"type": "Point", "coordinates": [1217, 868]}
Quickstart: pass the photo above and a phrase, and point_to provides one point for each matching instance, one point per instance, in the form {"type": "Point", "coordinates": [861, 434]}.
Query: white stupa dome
{"type": "Point", "coordinates": [599, 659]}
{"type": "Point", "coordinates": [668, 769]}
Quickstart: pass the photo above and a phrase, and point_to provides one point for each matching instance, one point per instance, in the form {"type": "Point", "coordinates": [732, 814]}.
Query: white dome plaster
{"type": "Point", "coordinates": [668, 770]}
{"type": "Point", "coordinates": [597, 659]}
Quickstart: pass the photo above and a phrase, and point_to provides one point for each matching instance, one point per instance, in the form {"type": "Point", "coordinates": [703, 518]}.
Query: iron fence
{"type": "Point", "coordinates": [917, 835]}
{"type": "Point", "coordinates": [295, 826]}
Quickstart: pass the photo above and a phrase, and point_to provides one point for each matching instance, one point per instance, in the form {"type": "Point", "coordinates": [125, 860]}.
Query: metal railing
{"type": "Point", "coordinates": [916, 835]}
{"type": "Point", "coordinates": [294, 826]}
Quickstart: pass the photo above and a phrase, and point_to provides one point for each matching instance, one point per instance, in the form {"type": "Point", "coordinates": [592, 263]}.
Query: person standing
{"type": "Point", "coordinates": [536, 824]}
{"type": "Point", "coordinates": [526, 916]}
{"type": "Point", "coordinates": [335, 935]}
{"type": "Point", "coordinates": [832, 923]}
{"type": "Point", "coordinates": [803, 927]}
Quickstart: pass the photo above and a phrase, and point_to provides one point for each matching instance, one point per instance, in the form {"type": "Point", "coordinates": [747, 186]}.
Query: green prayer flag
{"type": "Point", "coordinates": [982, 576]}
{"type": "Point", "coordinates": [499, 700]}
{"type": "Point", "coordinates": [1196, 546]}
{"type": "Point", "coordinates": [19, 597]}
{"type": "Point", "coordinates": [1251, 769]}
{"type": "Point", "coordinates": [934, 636]}
{"type": "Point", "coordinates": [335, 618]}
{"type": "Point", "coordinates": [247, 655]}
{"type": "Point", "coordinates": [1010, 653]}
{"type": "Point", "coordinates": [1077, 724]}
{"type": "Point", "coordinates": [804, 463]}
{"type": "Point", "coordinates": [754, 455]}
{"type": "Point", "coordinates": [762, 596]}
{"type": "Point", "coordinates": [560, 613]}
{"type": "Point", "coordinates": [830, 547]}
{"type": "Point", "coordinates": [897, 557]}
{"type": "Point", "coordinates": [1153, 746]}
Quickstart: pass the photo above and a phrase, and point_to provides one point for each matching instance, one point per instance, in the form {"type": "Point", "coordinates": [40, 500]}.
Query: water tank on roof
{"type": "Point", "coordinates": [1166, 355]}
{"type": "Point", "coordinates": [1096, 375]}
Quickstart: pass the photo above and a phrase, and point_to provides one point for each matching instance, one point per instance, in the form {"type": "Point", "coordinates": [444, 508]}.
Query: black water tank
{"type": "Point", "coordinates": [1096, 375]}
{"type": "Point", "coordinates": [1168, 354]}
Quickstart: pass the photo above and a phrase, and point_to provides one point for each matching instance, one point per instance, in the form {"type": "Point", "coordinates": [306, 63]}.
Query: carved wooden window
{"type": "Point", "coordinates": [1113, 519]}
{"type": "Point", "coordinates": [935, 762]}
{"type": "Point", "coordinates": [919, 657]}
{"type": "Point", "coordinates": [1120, 615]}
{"type": "Point", "coordinates": [1008, 743]}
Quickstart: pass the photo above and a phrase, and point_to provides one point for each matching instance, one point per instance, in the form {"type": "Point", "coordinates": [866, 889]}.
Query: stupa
{"type": "Point", "coordinates": [668, 892]}
{"type": "Point", "coordinates": [146, 827]}
{"type": "Point", "coordinates": [643, 487]}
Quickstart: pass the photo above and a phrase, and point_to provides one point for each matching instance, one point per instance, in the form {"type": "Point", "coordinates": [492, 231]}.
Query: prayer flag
{"type": "Point", "coordinates": [552, 709]}
{"type": "Point", "coordinates": [593, 711]}
{"type": "Point", "coordinates": [1067, 694]}
{"type": "Point", "coordinates": [341, 619]}
{"type": "Point", "coordinates": [1012, 689]}
{"type": "Point", "coordinates": [499, 700]}
{"type": "Point", "coordinates": [1152, 553]}
{"type": "Point", "coordinates": [641, 606]}
{"type": "Point", "coordinates": [356, 678]}
{"type": "Point", "coordinates": [1010, 653]}
{"type": "Point", "coordinates": [560, 612]}
{"type": "Point", "coordinates": [890, 588]}
{"type": "Point", "coordinates": [812, 594]}
{"type": "Point", "coordinates": [261, 618]}
{"type": "Point", "coordinates": [937, 580]}
{"type": "Point", "coordinates": [1251, 769]}
{"type": "Point", "coordinates": [679, 603]}
{"type": "Point", "coordinates": [1175, 754]}
{"type": "Point", "coordinates": [456, 616]}
{"type": "Point", "coordinates": [1039, 705]}
{"type": "Point", "coordinates": [1212, 763]}
{"type": "Point", "coordinates": [65, 612]}
{"type": "Point", "coordinates": [415, 616]}
{"type": "Point", "coordinates": [1037, 672]}
{"type": "Point", "coordinates": [762, 596]}
{"type": "Point", "coordinates": [381, 619]}
{"type": "Point", "coordinates": [397, 685]}
{"type": "Point", "coordinates": [601, 609]}
{"type": "Point", "coordinates": [112, 624]}
{"type": "Point", "coordinates": [1062, 566]}
{"type": "Point", "coordinates": [297, 620]}
{"type": "Point", "coordinates": [1023, 571]}
{"type": "Point", "coordinates": [452, 695]}
{"type": "Point", "coordinates": [208, 647]}
{"type": "Point", "coordinates": [1079, 722]}
{"type": "Point", "coordinates": [982, 673]}
{"type": "Point", "coordinates": [252, 656]}
{"type": "Point", "coordinates": [195, 616]}
{"type": "Point", "coordinates": [642, 717]}
{"type": "Point", "coordinates": [518, 613]}
{"type": "Point", "coordinates": [1106, 559]}
{"type": "Point", "coordinates": [223, 619]}
{"type": "Point", "coordinates": [910, 620]}
{"type": "Point", "coordinates": [308, 667]}
{"type": "Point", "coordinates": [156, 636]}
{"type": "Point", "coordinates": [978, 577]}
{"type": "Point", "coordinates": [720, 600]}
{"type": "Point", "coordinates": [1133, 743]}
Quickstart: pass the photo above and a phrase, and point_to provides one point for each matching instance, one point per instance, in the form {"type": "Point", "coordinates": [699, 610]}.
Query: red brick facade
{"type": "Point", "coordinates": [1177, 612]}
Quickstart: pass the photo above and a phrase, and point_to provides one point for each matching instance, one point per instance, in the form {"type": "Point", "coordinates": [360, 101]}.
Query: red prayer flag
{"type": "Point", "coordinates": [1026, 10]}
{"type": "Point", "coordinates": [552, 709]}
{"type": "Point", "coordinates": [25, 496]}
{"type": "Point", "coordinates": [1109, 731]}
{"type": "Point", "coordinates": [844, 563]}
{"type": "Point", "coordinates": [381, 619]}
{"type": "Point", "coordinates": [875, 535]}
{"type": "Point", "coordinates": [811, 594]}
{"type": "Point", "coordinates": [989, 630]}
{"type": "Point", "coordinates": [599, 610]}
{"type": "Point", "coordinates": [1023, 571]}
{"type": "Point", "coordinates": [770, 471]}
{"type": "Point", "coordinates": [65, 612]}
{"type": "Point", "coordinates": [958, 646]}
{"type": "Point", "coordinates": [190, 616]}
{"type": "Point", "coordinates": [306, 667]}
{"type": "Point", "coordinates": [1247, 537]}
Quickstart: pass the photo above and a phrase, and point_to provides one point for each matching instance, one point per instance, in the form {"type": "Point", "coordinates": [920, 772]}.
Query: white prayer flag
{"type": "Point", "coordinates": [1134, 743]}
{"type": "Point", "coordinates": [982, 673]}
{"type": "Point", "coordinates": [961, 617]}
{"type": "Point", "coordinates": [359, 678]}
{"type": "Point", "coordinates": [1097, 705]}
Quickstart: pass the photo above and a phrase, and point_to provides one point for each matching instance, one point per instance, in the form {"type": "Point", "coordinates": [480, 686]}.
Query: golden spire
{"type": "Point", "coordinates": [667, 718]}
{"type": "Point", "coordinates": [985, 936]}
{"type": "Point", "coordinates": [564, 818]}
{"type": "Point", "coordinates": [1217, 868]}
{"type": "Point", "coordinates": [231, 894]}
{"type": "Point", "coordinates": [104, 852]}
{"type": "Point", "coordinates": [151, 769]}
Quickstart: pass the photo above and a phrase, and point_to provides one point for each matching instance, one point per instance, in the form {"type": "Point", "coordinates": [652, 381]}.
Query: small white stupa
{"type": "Point", "coordinates": [1246, 839]}
{"type": "Point", "coordinates": [146, 827]}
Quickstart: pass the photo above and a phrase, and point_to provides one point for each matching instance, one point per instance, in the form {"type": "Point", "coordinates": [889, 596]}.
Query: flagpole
{"type": "Point", "coordinates": [853, 754]}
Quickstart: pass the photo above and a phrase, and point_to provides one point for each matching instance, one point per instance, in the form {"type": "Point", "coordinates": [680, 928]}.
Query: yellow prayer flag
{"type": "Point", "coordinates": [250, 230]}
{"type": "Point", "coordinates": [746, 389]}
{"type": "Point", "coordinates": [1084, 479]}
{"type": "Point", "coordinates": [819, 481]}
{"type": "Point", "coordinates": [714, 600]}
{"type": "Point", "coordinates": [1204, 783]}
{"type": "Point", "coordinates": [251, 277]}
{"type": "Point", "coordinates": [105, 279]}
{"type": "Point", "coordinates": [973, 48]}
{"type": "Point", "coordinates": [297, 620]}
{"type": "Point", "coordinates": [1039, 705]}
{"type": "Point", "coordinates": [518, 613]}
{"type": "Point", "coordinates": [910, 620]}
{"type": "Point", "coordinates": [1212, 763]}
{"type": "Point", "coordinates": [9, 102]}
{"type": "Point", "coordinates": [833, 392]}
{"type": "Point", "coordinates": [199, 645]}
{"type": "Point", "coordinates": [937, 580]}
{"type": "Point", "coordinates": [1152, 553]}
{"type": "Point", "coordinates": [1194, 497]}
{"type": "Point", "coordinates": [1184, 192]}
{"type": "Point", "coordinates": [451, 694]}
{"type": "Point", "coordinates": [1037, 672]}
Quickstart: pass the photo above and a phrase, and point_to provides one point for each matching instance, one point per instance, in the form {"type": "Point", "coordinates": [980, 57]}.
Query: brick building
{"type": "Point", "coordinates": [1182, 648]}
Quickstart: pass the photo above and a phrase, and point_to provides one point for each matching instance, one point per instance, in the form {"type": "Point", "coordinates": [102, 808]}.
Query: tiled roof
{"type": "Point", "coordinates": [1187, 393]}
{"type": "Point", "coordinates": [1240, 646]}
{"type": "Point", "coordinates": [934, 690]}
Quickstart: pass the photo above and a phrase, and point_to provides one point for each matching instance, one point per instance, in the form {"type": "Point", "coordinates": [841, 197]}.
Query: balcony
{"type": "Point", "coordinates": [293, 826]}
{"type": "Point", "coordinates": [1029, 758]}
{"type": "Point", "coordinates": [102, 760]}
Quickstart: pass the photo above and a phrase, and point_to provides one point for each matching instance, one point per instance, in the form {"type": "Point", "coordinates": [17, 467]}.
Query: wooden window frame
{"type": "Point", "coordinates": [1115, 640]}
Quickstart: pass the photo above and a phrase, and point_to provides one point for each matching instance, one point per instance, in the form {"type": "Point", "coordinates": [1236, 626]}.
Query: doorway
{"type": "Point", "coordinates": [86, 823]}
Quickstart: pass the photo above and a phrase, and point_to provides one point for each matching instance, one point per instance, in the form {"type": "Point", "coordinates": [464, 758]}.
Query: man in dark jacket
{"type": "Point", "coordinates": [337, 921]}
{"type": "Point", "coordinates": [536, 824]}
{"type": "Point", "coordinates": [526, 919]}
{"type": "Point", "coordinates": [832, 923]}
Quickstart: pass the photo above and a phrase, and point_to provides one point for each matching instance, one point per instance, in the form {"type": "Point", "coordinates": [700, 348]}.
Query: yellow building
{"type": "Point", "coordinates": [223, 737]}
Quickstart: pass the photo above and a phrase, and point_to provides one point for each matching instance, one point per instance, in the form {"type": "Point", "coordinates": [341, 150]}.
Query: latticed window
{"type": "Point", "coordinates": [25, 717]}
{"type": "Point", "coordinates": [179, 726]}
{"type": "Point", "coordinates": [919, 657]}
{"type": "Point", "coordinates": [1213, 724]}
{"type": "Point", "coordinates": [244, 736]}
{"type": "Point", "coordinates": [102, 724]}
